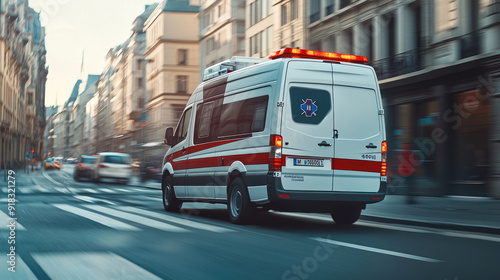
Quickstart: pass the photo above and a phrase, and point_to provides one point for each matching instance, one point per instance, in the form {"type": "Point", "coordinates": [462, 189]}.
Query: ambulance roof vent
{"type": "Point", "coordinates": [230, 65]}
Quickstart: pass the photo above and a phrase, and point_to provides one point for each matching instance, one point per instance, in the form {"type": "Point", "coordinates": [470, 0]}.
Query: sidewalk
{"type": "Point", "coordinates": [456, 213]}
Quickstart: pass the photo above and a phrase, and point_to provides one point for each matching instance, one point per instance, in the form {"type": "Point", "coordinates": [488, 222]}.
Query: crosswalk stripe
{"type": "Point", "coordinates": [92, 199]}
{"type": "Point", "coordinates": [90, 265]}
{"type": "Point", "coordinates": [63, 190]}
{"type": "Point", "coordinates": [42, 189]}
{"type": "Point", "coordinates": [25, 190]}
{"type": "Point", "coordinates": [185, 222]}
{"type": "Point", "coordinates": [96, 217]}
{"type": "Point", "coordinates": [22, 271]}
{"type": "Point", "coordinates": [106, 190]}
{"type": "Point", "coordinates": [4, 218]}
{"type": "Point", "coordinates": [89, 190]}
{"type": "Point", "coordinates": [136, 218]}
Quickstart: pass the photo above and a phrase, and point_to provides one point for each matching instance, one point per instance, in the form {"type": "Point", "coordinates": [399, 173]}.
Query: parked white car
{"type": "Point", "coordinates": [113, 166]}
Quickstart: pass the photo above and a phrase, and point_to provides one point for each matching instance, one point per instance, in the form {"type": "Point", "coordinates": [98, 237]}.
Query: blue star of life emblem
{"type": "Point", "coordinates": [309, 107]}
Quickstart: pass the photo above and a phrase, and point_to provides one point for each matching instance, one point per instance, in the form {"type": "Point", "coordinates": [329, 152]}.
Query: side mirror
{"type": "Point", "coordinates": [169, 136]}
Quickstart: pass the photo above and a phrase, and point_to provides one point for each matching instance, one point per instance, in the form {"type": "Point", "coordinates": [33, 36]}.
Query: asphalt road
{"type": "Point", "coordinates": [81, 230]}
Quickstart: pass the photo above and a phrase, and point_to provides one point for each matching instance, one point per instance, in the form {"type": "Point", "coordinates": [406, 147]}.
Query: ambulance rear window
{"type": "Point", "coordinates": [309, 105]}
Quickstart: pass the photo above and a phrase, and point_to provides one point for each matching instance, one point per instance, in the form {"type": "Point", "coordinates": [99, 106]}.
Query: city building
{"type": "Point", "coordinates": [78, 115]}
{"type": "Point", "coordinates": [221, 31]}
{"type": "Point", "coordinates": [290, 24]}
{"type": "Point", "coordinates": [259, 35]}
{"type": "Point", "coordinates": [438, 64]}
{"type": "Point", "coordinates": [23, 74]}
{"type": "Point", "coordinates": [172, 69]}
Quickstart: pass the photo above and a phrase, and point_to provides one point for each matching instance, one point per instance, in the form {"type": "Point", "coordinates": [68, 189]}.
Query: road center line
{"type": "Point", "coordinates": [376, 250]}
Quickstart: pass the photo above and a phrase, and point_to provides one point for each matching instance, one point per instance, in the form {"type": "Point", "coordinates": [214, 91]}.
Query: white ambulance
{"type": "Point", "coordinates": [301, 131]}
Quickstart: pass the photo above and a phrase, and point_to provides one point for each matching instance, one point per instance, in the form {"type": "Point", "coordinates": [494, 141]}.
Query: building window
{"type": "Point", "coordinates": [294, 9]}
{"type": "Point", "coordinates": [182, 56]}
{"type": "Point", "coordinates": [30, 98]}
{"type": "Point", "coordinates": [182, 84]}
{"type": "Point", "coordinates": [315, 11]}
{"type": "Point", "coordinates": [330, 6]}
{"type": "Point", "coordinates": [139, 83]}
{"type": "Point", "coordinates": [345, 3]}
{"type": "Point", "coordinates": [446, 14]}
{"type": "Point", "coordinates": [139, 64]}
{"type": "Point", "coordinates": [283, 14]}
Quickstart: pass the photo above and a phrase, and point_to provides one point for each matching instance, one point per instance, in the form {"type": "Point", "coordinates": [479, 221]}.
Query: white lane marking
{"type": "Point", "coordinates": [185, 222]}
{"type": "Point", "coordinates": [22, 271]}
{"type": "Point", "coordinates": [89, 190]}
{"type": "Point", "coordinates": [470, 236]}
{"type": "Point", "coordinates": [90, 265]}
{"type": "Point", "coordinates": [6, 200]}
{"type": "Point", "coordinates": [124, 190]}
{"type": "Point", "coordinates": [106, 190]}
{"type": "Point", "coordinates": [4, 222]}
{"type": "Point", "coordinates": [375, 250]}
{"type": "Point", "coordinates": [137, 219]}
{"type": "Point", "coordinates": [391, 227]}
{"type": "Point", "coordinates": [50, 179]}
{"type": "Point", "coordinates": [63, 190]}
{"type": "Point", "coordinates": [112, 223]}
{"type": "Point", "coordinates": [25, 190]}
{"type": "Point", "coordinates": [41, 189]}
{"type": "Point", "coordinates": [93, 199]}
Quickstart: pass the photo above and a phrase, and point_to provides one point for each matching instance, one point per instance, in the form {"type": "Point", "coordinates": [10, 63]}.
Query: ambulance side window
{"type": "Point", "coordinates": [182, 127]}
{"type": "Point", "coordinates": [243, 117]}
{"type": "Point", "coordinates": [205, 120]}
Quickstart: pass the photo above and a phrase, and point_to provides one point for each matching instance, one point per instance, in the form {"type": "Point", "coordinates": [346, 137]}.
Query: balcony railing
{"type": "Point", "coordinates": [470, 44]}
{"type": "Point", "coordinates": [399, 64]}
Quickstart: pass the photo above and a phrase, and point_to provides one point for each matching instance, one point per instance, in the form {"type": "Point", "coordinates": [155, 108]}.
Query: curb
{"type": "Point", "coordinates": [434, 224]}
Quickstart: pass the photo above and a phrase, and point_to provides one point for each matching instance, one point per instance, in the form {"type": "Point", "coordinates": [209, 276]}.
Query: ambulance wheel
{"type": "Point", "coordinates": [346, 215]}
{"type": "Point", "coordinates": [241, 210]}
{"type": "Point", "coordinates": [170, 202]}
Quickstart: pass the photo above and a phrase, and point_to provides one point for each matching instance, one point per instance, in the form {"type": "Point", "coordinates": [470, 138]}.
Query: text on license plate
{"type": "Point", "coordinates": [308, 162]}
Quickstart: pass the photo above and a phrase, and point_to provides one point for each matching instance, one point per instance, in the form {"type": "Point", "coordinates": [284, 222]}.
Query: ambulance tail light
{"type": "Point", "coordinates": [383, 170]}
{"type": "Point", "coordinates": [301, 53]}
{"type": "Point", "coordinates": [275, 153]}
{"type": "Point", "coordinates": [80, 165]}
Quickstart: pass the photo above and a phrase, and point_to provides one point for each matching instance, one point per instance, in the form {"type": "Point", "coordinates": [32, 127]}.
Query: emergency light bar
{"type": "Point", "coordinates": [230, 65]}
{"type": "Point", "coordinates": [301, 53]}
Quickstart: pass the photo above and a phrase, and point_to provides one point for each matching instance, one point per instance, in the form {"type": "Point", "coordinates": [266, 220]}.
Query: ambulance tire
{"type": "Point", "coordinates": [170, 202]}
{"type": "Point", "coordinates": [240, 209]}
{"type": "Point", "coordinates": [346, 215]}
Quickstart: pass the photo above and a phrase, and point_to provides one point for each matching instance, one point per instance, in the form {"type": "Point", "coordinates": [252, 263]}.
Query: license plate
{"type": "Point", "coordinates": [308, 162]}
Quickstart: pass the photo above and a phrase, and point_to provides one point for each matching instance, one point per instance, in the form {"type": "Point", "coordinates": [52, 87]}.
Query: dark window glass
{"type": "Point", "coordinates": [243, 117]}
{"type": "Point", "coordinates": [206, 118]}
{"type": "Point", "coordinates": [116, 159]}
{"type": "Point", "coordinates": [309, 106]}
{"type": "Point", "coordinates": [182, 127]}
{"type": "Point", "coordinates": [88, 159]}
{"type": "Point", "coordinates": [283, 14]}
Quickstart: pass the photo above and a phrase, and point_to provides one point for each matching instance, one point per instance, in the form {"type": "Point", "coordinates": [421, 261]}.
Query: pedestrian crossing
{"type": "Point", "coordinates": [77, 265]}
{"type": "Point", "coordinates": [136, 219]}
{"type": "Point", "coordinates": [37, 189]}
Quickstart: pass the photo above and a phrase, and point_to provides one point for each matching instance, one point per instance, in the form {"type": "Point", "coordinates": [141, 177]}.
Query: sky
{"type": "Point", "coordinates": [76, 29]}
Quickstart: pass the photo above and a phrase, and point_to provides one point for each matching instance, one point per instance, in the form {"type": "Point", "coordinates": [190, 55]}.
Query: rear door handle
{"type": "Point", "coordinates": [324, 144]}
{"type": "Point", "coordinates": [371, 146]}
